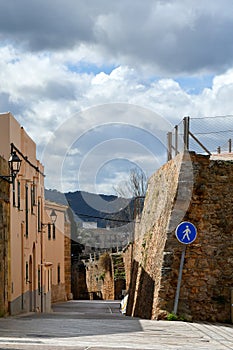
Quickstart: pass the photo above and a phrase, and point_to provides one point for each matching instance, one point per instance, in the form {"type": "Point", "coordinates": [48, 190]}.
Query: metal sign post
{"type": "Point", "coordinates": [186, 233]}
{"type": "Point", "coordinates": [179, 280]}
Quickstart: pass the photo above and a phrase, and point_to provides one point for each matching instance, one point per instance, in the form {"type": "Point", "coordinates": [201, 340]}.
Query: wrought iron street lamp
{"type": "Point", "coordinates": [14, 165]}
{"type": "Point", "coordinates": [53, 217]}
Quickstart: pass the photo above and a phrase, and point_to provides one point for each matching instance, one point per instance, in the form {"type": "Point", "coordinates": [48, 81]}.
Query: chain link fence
{"type": "Point", "coordinates": [206, 135]}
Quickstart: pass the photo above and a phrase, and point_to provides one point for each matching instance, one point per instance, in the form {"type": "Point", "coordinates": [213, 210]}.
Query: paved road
{"type": "Point", "coordinates": [98, 325]}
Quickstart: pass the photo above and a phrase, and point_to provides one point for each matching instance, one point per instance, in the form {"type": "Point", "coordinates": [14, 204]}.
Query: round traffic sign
{"type": "Point", "coordinates": [186, 232]}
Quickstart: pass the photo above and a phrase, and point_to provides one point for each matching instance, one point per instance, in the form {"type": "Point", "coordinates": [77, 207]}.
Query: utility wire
{"type": "Point", "coordinates": [103, 218]}
{"type": "Point", "coordinates": [217, 116]}
{"type": "Point", "coordinates": [213, 132]}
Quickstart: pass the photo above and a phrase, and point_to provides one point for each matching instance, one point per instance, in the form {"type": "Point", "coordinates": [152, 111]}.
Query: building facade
{"type": "Point", "coordinates": [4, 238]}
{"type": "Point", "coordinates": [57, 252]}
{"type": "Point", "coordinates": [29, 266]}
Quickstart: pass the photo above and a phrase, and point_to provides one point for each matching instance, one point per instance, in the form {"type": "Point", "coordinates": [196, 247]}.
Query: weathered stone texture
{"type": "Point", "coordinates": [78, 281]}
{"type": "Point", "coordinates": [100, 277]}
{"type": "Point", "coordinates": [208, 268]}
{"type": "Point", "coordinates": [127, 257]}
{"type": "Point", "coordinates": [67, 247]}
{"type": "Point", "coordinates": [58, 293]}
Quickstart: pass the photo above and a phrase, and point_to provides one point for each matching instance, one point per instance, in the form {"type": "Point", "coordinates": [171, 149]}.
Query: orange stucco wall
{"type": "Point", "coordinates": [24, 254]}
{"type": "Point", "coordinates": [33, 259]}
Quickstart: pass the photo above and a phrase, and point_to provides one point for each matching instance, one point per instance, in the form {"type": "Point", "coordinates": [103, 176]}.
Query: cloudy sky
{"type": "Point", "coordinates": [97, 84]}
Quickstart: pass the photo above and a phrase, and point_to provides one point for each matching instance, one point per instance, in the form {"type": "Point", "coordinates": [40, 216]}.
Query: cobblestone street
{"type": "Point", "coordinates": [93, 325]}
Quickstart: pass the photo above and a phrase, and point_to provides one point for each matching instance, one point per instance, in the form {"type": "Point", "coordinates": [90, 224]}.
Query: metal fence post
{"type": "Point", "coordinates": [176, 140]}
{"type": "Point", "coordinates": [169, 146]}
{"type": "Point", "coordinates": [229, 143]}
{"type": "Point", "coordinates": [186, 133]}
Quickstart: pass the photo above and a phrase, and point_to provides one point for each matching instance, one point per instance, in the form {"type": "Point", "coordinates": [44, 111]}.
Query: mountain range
{"type": "Point", "coordinates": [105, 210]}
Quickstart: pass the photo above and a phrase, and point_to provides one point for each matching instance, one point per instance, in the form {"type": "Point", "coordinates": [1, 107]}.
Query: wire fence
{"type": "Point", "coordinates": [206, 135]}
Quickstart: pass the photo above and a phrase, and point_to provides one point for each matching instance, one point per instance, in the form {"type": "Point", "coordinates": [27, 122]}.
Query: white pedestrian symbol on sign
{"type": "Point", "coordinates": [186, 232]}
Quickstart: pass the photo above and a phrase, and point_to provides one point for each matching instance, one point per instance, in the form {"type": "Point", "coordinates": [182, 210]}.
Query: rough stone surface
{"type": "Point", "coordinates": [188, 188]}
{"type": "Point", "coordinates": [100, 277]}
{"type": "Point", "coordinates": [67, 247]}
{"type": "Point", "coordinates": [58, 293]}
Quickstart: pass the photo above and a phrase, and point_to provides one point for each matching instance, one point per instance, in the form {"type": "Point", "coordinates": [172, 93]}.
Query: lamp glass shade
{"type": "Point", "coordinates": [53, 216]}
{"type": "Point", "coordinates": [14, 163]}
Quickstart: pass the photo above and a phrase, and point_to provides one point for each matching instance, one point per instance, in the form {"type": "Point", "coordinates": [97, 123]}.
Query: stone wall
{"type": "Point", "coordinates": [196, 189]}
{"type": "Point", "coordinates": [4, 238]}
{"type": "Point", "coordinates": [67, 263]}
{"type": "Point", "coordinates": [100, 277]}
{"type": "Point", "coordinates": [58, 293]}
{"type": "Point", "coordinates": [127, 256]}
{"type": "Point", "coordinates": [78, 281]}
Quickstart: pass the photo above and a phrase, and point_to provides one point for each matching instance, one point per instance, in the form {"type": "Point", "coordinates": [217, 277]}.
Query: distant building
{"type": "Point", "coordinates": [89, 224]}
{"type": "Point", "coordinates": [57, 252]}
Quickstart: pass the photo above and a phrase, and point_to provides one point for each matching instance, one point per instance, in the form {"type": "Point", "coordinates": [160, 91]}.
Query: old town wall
{"type": "Point", "coordinates": [188, 188]}
{"type": "Point", "coordinates": [99, 277]}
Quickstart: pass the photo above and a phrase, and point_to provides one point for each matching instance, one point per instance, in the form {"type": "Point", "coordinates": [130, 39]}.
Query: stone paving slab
{"type": "Point", "coordinates": [154, 335]}
{"type": "Point", "coordinates": [99, 326]}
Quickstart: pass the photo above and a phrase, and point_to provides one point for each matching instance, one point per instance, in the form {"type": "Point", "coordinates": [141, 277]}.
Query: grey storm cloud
{"type": "Point", "coordinates": [173, 36]}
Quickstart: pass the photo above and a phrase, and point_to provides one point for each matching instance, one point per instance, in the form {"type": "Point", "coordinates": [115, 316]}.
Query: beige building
{"type": "Point", "coordinates": [56, 252]}
{"type": "Point", "coordinates": [30, 267]}
{"type": "Point", "coordinates": [4, 239]}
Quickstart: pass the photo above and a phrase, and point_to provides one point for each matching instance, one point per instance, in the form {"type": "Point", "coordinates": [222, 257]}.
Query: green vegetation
{"type": "Point", "coordinates": [119, 275]}
{"type": "Point", "coordinates": [174, 317]}
{"type": "Point", "coordinates": [102, 276]}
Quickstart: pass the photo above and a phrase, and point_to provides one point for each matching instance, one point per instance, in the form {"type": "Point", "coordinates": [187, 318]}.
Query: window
{"type": "Point", "coordinates": [26, 210]}
{"type": "Point", "coordinates": [48, 280]}
{"type": "Point", "coordinates": [27, 272]}
{"type": "Point", "coordinates": [54, 231]}
{"type": "Point", "coordinates": [39, 216]}
{"type": "Point", "coordinates": [58, 274]}
{"type": "Point", "coordinates": [49, 231]}
{"type": "Point", "coordinates": [33, 197]}
{"type": "Point", "coordinates": [18, 194]}
{"type": "Point", "coordinates": [39, 280]}
{"type": "Point", "coordinates": [34, 193]}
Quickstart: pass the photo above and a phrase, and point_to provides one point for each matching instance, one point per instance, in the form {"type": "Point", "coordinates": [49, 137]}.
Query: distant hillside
{"type": "Point", "coordinates": [106, 210]}
{"type": "Point", "coordinates": [56, 196]}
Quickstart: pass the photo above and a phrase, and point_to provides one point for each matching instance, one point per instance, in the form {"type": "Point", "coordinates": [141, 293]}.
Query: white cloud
{"type": "Point", "coordinates": [118, 52]}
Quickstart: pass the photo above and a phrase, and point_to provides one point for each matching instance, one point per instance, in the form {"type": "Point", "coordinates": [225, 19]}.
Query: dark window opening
{"type": "Point", "coordinates": [54, 231]}
{"type": "Point", "coordinates": [26, 210]}
{"type": "Point", "coordinates": [49, 231]}
{"type": "Point", "coordinates": [58, 274]}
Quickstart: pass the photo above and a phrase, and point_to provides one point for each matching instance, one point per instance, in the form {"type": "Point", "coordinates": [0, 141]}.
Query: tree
{"type": "Point", "coordinates": [135, 186]}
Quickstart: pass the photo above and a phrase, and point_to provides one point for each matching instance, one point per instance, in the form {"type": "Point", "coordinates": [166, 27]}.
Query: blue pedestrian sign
{"type": "Point", "coordinates": [186, 232]}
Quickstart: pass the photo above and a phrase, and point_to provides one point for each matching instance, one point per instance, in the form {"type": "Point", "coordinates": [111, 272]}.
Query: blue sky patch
{"type": "Point", "coordinates": [195, 85]}
{"type": "Point", "coordinates": [90, 68]}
